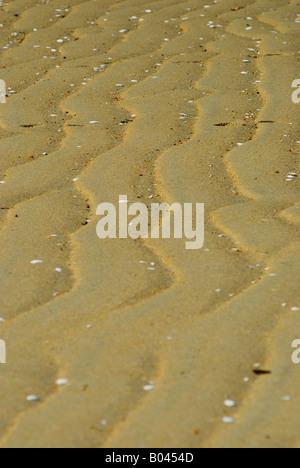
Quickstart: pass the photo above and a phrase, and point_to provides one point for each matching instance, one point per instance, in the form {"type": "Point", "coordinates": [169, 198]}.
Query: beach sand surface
{"type": "Point", "coordinates": [165, 101]}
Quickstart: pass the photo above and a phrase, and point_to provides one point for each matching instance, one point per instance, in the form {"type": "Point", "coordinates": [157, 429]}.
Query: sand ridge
{"type": "Point", "coordinates": [196, 325]}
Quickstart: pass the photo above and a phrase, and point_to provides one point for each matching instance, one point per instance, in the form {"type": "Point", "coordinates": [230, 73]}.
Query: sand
{"type": "Point", "coordinates": [146, 358]}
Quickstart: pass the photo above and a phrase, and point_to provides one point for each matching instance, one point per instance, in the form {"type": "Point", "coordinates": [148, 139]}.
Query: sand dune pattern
{"type": "Point", "coordinates": [180, 101]}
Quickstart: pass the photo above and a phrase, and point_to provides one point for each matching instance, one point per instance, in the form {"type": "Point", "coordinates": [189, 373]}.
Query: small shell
{"type": "Point", "coordinates": [61, 382]}
{"type": "Point", "coordinates": [230, 403]}
{"type": "Point", "coordinates": [228, 420]}
{"type": "Point", "coordinates": [33, 398]}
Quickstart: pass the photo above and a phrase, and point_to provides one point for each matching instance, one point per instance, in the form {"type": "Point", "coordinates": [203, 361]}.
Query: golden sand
{"type": "Point", "coordinates": [149, 356]}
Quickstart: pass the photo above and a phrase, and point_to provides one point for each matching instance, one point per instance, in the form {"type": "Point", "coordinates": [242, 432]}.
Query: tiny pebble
{"type": "Point", "coordinates": [148, 388]}
{"type": "Point", "coordinates": [61, 382]}
{"type": "Point", "coordinates": [33, 398]}
{"type": "Point", "coordinates": [229, 403]}
{"type": "Point", "coordinates": [228, 420]}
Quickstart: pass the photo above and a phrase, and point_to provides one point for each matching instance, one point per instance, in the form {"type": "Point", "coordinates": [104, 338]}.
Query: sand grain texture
{"type": "Point", "coordinates": [169, 326]}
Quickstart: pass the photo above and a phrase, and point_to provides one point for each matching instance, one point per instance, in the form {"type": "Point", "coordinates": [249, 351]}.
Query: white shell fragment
{"type": "Point", "coordinates": [33, 398]}
{"type": "Point", "coordinates": [149, 387]}
{"type": "Point", "coordinates": [61, 382]}
{"type": "Point", "coordinates": [228, 420]}
{"type": "Point", "coordinates": [230, 403]}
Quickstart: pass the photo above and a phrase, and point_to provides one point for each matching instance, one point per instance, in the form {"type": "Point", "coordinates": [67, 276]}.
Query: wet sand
{"type": "Point", "coordinates": [204, 115]}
